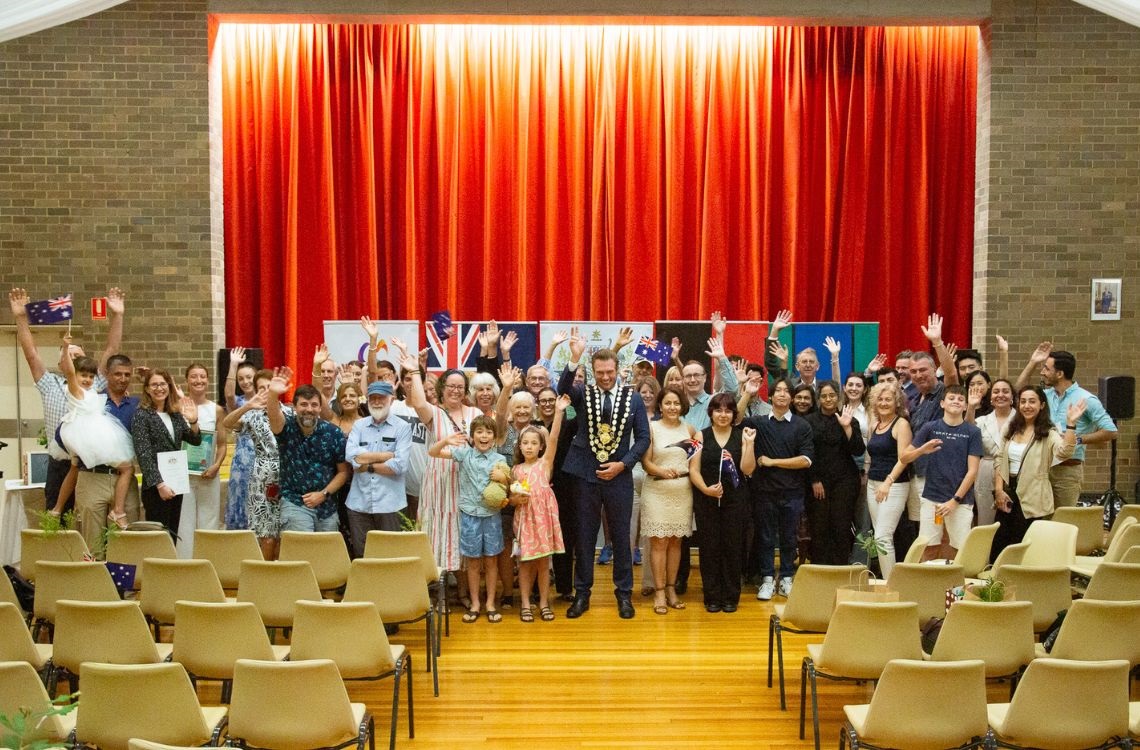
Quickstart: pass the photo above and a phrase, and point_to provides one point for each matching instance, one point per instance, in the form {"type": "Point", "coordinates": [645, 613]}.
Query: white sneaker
{"type": "Point", "coordinates": [785, 586]}
{"type": "Point", "coordinates": [767, 589]}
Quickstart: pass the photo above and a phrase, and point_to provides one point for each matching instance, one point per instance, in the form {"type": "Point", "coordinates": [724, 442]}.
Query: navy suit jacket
{"type": "Point", "coordinates": [580, 459]}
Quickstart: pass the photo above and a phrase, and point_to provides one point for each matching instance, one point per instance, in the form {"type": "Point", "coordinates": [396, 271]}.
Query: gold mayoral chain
{"type": "Point", "coordinates": [603, 435]}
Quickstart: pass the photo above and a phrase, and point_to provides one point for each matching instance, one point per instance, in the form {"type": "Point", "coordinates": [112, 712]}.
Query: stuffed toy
{"type": "Point", "coordinates": [495, 493]}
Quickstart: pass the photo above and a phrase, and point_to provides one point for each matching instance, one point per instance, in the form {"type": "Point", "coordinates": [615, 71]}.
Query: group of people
{"type": "Point", "coordinates": [507, 469]}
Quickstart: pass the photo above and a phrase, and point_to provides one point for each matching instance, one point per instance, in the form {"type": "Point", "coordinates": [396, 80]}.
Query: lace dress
{"type": "Point", "coordinates": [667, 504]}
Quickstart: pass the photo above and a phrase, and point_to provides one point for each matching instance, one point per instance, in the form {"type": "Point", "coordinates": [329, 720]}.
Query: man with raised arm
{"type": "Point", "coordinates": [1057, 369]}
{"type": "Point", "coordinates": [776, 356]}
{"type": "Point", "coordinates": [613, 434]}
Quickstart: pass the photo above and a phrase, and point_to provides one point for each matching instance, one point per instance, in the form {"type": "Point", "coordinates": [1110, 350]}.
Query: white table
{"type": "Point", "coordinates": [13, 517]}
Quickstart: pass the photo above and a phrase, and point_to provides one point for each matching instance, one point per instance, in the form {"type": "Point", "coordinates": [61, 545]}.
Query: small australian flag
{"type": "Point", "coordinates": [728, 468]}
{"type": "Point", "coordinates": [657, 352]}
{"type": "Point", "coordinates": [441, 322]}
{"type": "Point", "coordinates": [122, 574]}
{"type": "Point", "coordinates": [57, 310]}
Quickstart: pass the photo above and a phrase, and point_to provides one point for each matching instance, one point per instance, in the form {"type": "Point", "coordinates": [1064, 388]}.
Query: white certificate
{"type": "Point", "coordinates": [175, 471]}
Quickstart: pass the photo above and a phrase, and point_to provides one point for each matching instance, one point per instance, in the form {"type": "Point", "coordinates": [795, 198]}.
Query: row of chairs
{"type": "Point", "coordinates": [924, 705]}
{"type": "Point", "coordinates": [395, 587]}
{"type": "Point", "coordinates": [210, 639]}
{"type": "Point", "coordinates": [295, 705]}
{"type": "Point", "coordinates": [862, 637]}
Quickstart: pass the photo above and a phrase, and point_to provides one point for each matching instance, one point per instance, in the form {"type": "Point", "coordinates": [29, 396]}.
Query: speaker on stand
{"type": "Point", "coordinates": [1118, 394]}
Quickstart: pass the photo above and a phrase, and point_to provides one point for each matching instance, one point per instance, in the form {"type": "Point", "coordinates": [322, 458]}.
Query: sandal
{"type": "Point", "coordinates": [471, 616]}
{"type": "Point", "coordinates": [647, 591]}
{"type": "Point", "coordinates": [525, 614]}
{"type": "Point", "coordinates": [660, 609]}
{"type": "Point", "coordinates": [494, 615]}
{"type": "Point", "coordinates": [119, 519]}
{"type": "Point", "coordinates": [546, 613]}
{"type": "Point", "coordinates": [676, 603]}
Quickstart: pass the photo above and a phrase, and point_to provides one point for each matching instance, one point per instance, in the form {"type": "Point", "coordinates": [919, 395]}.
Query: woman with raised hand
{"type": "Point", "coordinates": [992, 420]}
{"type": "Point", "coordinates": [439, 493]}
{"type": "Point", "coordinates": [239, 388]}
{"type": "Point", "coordinates": [833, 477]}
{"type": "Point", "coordinates": [1022, 491]}
{"type": "Point", "coordinates": [263, 510]}
{"type": "Point", "coordinates": [201, 507]}
{"type": "Point", "coordinates": [164, 421]}
{"type": "Point", "coordinates": [888, 478]}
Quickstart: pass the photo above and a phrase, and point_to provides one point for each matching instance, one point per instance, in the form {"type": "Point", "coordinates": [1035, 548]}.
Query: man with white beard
{"type": "Point", "coordinates": [378, 450]}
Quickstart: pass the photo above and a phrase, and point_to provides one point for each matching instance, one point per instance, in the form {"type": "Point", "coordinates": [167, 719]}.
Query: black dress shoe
{"type": "Point", "coordinates": [712, 608]}
{"type": "Point", "coordinates": [625, 609]}
{"type": "Point", "coordinates": [567, 597]}
{"type": "Point", "coordinates": [578, 608]}
{"type": "Point", "coordinates": [729, 608]}
{"type": "Point", "coordinates": [681, 587]}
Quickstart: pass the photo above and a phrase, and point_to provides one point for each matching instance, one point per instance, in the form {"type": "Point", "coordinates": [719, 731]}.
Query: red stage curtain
{"type": "Point", "coordinates": [605, 172]}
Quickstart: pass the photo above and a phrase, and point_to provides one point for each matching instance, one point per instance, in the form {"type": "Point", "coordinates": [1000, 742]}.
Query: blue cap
{"type": "Point", "coordinates": [381, 388]}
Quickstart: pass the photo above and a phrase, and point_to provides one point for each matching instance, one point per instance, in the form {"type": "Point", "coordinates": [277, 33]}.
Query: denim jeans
{"type": "Point", "coordinates": [777, 516]}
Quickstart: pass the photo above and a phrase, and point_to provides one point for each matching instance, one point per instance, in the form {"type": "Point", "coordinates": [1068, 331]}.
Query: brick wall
{"type": "Point", "coordinates": [105, 179]}
{"type": "Point", "coordinates": [105, 173]}
{"type": "Point", "coordinates": [1063, 195]}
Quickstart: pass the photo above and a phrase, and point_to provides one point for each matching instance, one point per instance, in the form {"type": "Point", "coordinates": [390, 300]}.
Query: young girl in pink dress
{"type": "Point", "coordinates": [537, 533]}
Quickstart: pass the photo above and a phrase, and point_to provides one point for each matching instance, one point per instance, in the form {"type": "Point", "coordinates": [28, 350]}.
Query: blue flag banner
{"type": "Point", "coordinates": [657, 352]}
{"type": "Point", "coordinates": [55, 310]}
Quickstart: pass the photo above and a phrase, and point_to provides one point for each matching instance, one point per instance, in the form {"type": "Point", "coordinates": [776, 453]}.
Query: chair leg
{"type": "Point", "coordinates": [771, 630]}
{"type": "Point", "coordinates": [430, 645]}
{"type": "Point", "coordinates": [780, 664]}
{"type": "Point", "coordinates": [411, 699]}
{"type": "Point", "coordinates": [395, 703]}
{"type": "Point", "coordinates": [433, 665]}
{"type": "Point", "coordinates": [803, 692]}
{"type": "Point", "coordinates": [814, 706]}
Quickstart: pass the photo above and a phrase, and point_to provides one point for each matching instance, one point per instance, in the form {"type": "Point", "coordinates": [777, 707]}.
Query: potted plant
{"type": "Point", "coordinates": [21, 731]}
{"type": "Point", "coordinates": [993, 590]}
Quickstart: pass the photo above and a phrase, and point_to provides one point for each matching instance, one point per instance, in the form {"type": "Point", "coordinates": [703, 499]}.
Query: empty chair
{"type": "Point", "coordinates": [324, 550]}
{"type": "Point", "coordinates": [809, 607]}
{"type": "Point", "coordinates": [998, 633]}
{"type": "Point", "coordinates": [8, 594]}
{"type": "Point", "coordinates": [387, 544]}
{"type": "Point", "coordinates": [352, 635]}
{"type": "Point", "coordinates": [60, 546]}
{"type": "Point", "coordinates": [1132, 556]}
{"type": "Point", "coordinates": [1097, 630]}
{"type": "Point", "coordinates": [147, 701]}
{"type": "Point", "coordinates": [975, 553]}
{"type": "Point", "coordinates": [275, 587]}
{"type": "Point", "coordinates": [1128, 537]}
{"type": "Point", "coordinates": [295, 705]}
{"type": "Point", "coordinates": [167, 581]}
{"type": "Point", "coordinates": [108, 632]}
{"type": "Point", "coordinates": [132, 547]}
{"type": "Point", "coordinates": [16, 642]}
{"type": "Point", "coordinates": [861, 639]}
{"type": "Point", "coordinates": [909, 708]}
{"type": "Point", "coordinates": [135, 744]}
{"type": "Point", "coordinates": [1048, 589]}
{"type": "Point", "coordinates": [1050, 544]}
{"type": "Point", "coordinates": [20, 687]}
{"type": "Point", "coordinates": [397, 587]}
{"type": "Point", "coordinates": [925, 585]}
{"type": "Point", "coordinates": [1061, 704]}
{"type": "Point", "coordinates": [1126, 512]}
{"type": "Point", "coordinates": [1014, 554]}
{"type": "Point", "coordinates": [82, 581]}
{"type": "Point", "coordinates": [209, 638]}
{"type": "Point", "coordinates": [226, 550]}
{"type": "Point", "coordinates": [1118, 582]}
{"type": "Point", "coordinates": [1089, 520]}
{"type": "Point", "coordinates": [917, 547]}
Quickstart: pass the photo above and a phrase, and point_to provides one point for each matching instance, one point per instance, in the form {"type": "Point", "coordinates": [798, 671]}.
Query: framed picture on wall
{"type": "Point", "coordinates": [1106, 299]}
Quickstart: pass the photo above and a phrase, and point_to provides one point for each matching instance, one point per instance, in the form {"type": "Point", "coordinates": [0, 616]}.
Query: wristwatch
{"type": "Point", "coordinates": [368, 467]}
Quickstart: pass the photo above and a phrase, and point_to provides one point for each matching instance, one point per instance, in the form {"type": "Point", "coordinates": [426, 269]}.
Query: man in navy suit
{"type": "Point", "coordinates": [613, 433]}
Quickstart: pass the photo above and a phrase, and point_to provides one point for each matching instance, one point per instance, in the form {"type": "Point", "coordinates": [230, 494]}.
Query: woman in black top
{"type": "Point", "coordinates": [164, 420]}
{"type": "Point", "coordinates": [833, 477]}
{"type": "Point", "coordinates": [721, 503]}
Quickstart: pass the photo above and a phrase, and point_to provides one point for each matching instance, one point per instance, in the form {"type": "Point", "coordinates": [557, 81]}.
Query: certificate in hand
{"type": "Point", "coordinates": [200, 457]}
{"type": "Point", "coordinates": [173, 469]}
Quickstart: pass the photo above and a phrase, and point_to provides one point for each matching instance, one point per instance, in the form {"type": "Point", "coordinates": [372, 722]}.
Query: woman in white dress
{"type": "Point", "coordinates": [202, 505]}
{"type": "Point", "coordinates": [667, 495]}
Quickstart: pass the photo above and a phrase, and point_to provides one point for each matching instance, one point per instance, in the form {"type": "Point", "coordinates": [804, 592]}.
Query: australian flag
{"type": "Point", "coordinates": [441, 321]}
{"type": "Point", "coordinates": [689, 445]}
{"type": "Point", "coordinates": [728, 468]}
{"type": "Point", "coordinates": [56, 310]}
{"type": "Point", "coordinates": [657, 352]}
{"type": "Point", "coordinates": [122, 574]}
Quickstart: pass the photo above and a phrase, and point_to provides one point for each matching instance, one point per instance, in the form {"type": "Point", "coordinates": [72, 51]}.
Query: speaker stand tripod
{"type": "Point", "coordinates": [1112, 500]}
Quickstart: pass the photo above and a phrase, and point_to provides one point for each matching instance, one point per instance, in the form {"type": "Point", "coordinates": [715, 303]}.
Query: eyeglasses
{"type": "Point", "coordinates": [547, 400]}
{"type": "Point", "coordinates": [453, 387]}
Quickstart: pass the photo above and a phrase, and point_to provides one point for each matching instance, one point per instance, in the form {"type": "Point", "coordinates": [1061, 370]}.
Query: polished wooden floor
{"type": "Point", "coordinates": [688, 679]}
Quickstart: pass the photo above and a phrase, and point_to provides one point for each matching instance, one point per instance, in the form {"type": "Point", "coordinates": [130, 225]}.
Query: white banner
{"type": "Point", "coordinates": [347, 341]}
{"type": "Point", "coordinates": [598, 335]}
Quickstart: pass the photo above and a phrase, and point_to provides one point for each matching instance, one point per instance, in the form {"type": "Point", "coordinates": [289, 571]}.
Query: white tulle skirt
{"type": "Point", "coordinates": [89, 432]}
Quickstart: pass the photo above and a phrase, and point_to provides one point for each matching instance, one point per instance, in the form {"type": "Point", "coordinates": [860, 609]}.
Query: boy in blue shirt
{"type": "Point", "coordinates": [480, 527]}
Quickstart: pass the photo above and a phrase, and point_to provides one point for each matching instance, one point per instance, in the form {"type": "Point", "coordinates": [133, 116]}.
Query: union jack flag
{"type": "Point", "coordinates": [452, 352]}
{"type": "Point", "coordinates": [55, 310]}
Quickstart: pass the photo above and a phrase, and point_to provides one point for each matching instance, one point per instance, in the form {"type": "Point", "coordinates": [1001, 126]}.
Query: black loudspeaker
{"type": "Point", "coordinates": [1118, 394]}
{"type": "Point", "coordinates": [255, 357]}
